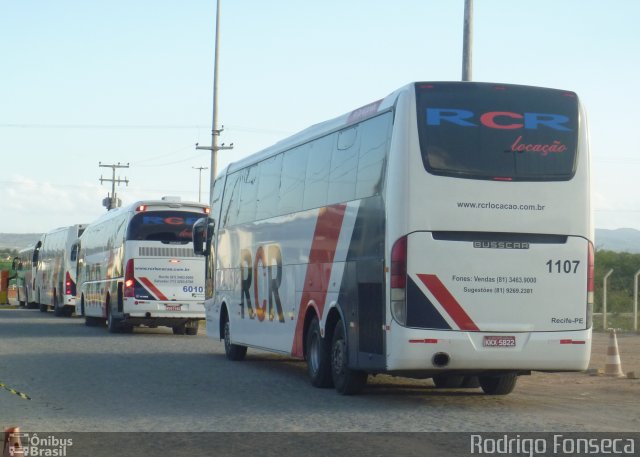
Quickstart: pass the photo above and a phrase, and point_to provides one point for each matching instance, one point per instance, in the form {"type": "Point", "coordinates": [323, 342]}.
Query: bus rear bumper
{"type": "Point", "coordinates": [422, 350]}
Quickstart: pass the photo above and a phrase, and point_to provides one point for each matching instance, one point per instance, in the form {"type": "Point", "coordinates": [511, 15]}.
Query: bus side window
{"type": "Point", "coordinates": [316, 184]}
{"type": "Point", "coordinates": [344, 164]}
{"type": "Point", "coordinates": [248, 194]}
{"type": "Point", "coordinates": [373, 151]}
{"type": "Point", "coordinates": [231, 200]}
{"type": "Point", "coordinates": [294, 169]}
{"type": "Point", "coordinates": [269, 187]}
{"type": "Point", "coordinates": [216, 201]}
{"type": "Point", "coordinates": [74, 252]}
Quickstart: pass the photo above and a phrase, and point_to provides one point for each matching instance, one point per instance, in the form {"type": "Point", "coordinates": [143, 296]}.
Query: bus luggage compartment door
{"type": "Point", "coordinates": [496, 282]}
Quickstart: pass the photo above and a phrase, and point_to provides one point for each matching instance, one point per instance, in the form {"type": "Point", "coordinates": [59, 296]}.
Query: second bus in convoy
{"type": "Point", "coordinates": [136, 266]}
{"type": "Point", "coordinates": [55, 274]}
{"type": "Point", "coordinates": [442, 232]}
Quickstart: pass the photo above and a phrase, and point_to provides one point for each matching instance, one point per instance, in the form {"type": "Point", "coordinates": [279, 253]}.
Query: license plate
{"type": "Point", "coordinates": [501, 341]}
{"type": "Point", "coordinates": [173, 307]}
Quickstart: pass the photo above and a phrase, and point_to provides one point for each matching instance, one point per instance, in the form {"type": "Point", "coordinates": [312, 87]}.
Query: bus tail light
{"type": "Point", "coordinates": [399, 280]}
{"type": "Point", "coordinates": [590, 283]}
{"type": "Point", "coordinates": [129, 280]}
{"type": "Point", "coordinates": [69, 285]}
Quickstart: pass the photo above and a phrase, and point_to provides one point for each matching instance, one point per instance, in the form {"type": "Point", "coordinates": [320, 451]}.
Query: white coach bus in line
{"type": "Point", "coordinates": [23, 266]}
{"type": "Point", "coordinates": [442, 232]}
{"type": "Point", "coordinates": [55, 274]}
{"type": "Point", "coordinates": [136, 266]}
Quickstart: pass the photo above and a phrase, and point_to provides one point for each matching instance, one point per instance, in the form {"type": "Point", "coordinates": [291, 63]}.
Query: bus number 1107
{"type": "Point", "coordinates": [563, 266]}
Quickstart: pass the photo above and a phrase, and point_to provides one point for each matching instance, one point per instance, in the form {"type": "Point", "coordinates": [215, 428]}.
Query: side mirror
{"type": "Point", "coordinates": [202, 235]}
{"type": "Point", "coordinates": [36, 254]}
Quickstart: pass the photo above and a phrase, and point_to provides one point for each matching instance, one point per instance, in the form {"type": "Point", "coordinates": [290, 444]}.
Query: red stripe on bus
{"type": "Point", "coordinates": [448, 302]}
{"type": "Point", "coordinates": [153, 289]}
{"type": "Point", "coordinates": [316, 281]}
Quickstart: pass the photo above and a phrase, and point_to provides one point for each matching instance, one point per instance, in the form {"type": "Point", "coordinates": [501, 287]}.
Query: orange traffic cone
{"type": "Point", "coordinates": [12, 443]}
{"type": "Point", "coordinates": [613, 367]}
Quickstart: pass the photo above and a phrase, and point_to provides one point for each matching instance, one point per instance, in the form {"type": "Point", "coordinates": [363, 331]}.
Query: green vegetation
{"type": "Point", "coordinates": [619, 287]}
{"type": "Point", "coordinates": [620, 284]}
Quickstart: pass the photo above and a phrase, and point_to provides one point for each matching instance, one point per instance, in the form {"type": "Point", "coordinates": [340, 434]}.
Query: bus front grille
{"type": "Point", "coordinates": [146, 251]}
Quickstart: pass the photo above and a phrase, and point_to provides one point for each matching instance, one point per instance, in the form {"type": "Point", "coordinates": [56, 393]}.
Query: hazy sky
{"type": "Point", "coordinates": [131, 82]}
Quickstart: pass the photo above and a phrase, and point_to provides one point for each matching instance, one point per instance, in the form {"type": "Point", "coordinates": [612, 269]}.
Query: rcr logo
{"type": "Point", "coordinates": [264, 272]}
{"type": "Point", "coordinates": [503, 120]}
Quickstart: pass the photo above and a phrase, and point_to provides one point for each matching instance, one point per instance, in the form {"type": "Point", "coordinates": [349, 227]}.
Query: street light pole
{"type": "Point", "coordinates": [215, 132]}
{"type": "Point", "coordinates": [200, 181]}
{"type": "Point", "coordinates": [467, 41]}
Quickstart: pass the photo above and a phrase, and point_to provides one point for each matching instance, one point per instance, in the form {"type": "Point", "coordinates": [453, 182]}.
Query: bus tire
{"type": "Point", "coordinates": [501, 384]}
{"type": "Point", "coordinates": [345, 380]}
{"type": "Point", "coordinates": [113, 323]}
{"type": "Point", "coordinates": [470, 382]}
{"type": "Point", "coordinates": [43, 308]}
{"type": "Point", "coordinates": [179, 329]}
{"type": "Point", "coordinates": [447, 381]}
{"type": "Point", "coordinates": [191, 328]}
{"type": "Point", "coordinates": [318, 357]}
{"type": "Point", "coordinates": [234, 352]}
{"type": "Point", "coordinates": [57, 310]}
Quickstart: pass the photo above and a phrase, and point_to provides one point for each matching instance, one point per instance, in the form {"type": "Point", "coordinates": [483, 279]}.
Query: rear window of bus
{"type": "Point", "coordinates": [490, 131]}
{"type": "Point", "coordinates": [165, 226]}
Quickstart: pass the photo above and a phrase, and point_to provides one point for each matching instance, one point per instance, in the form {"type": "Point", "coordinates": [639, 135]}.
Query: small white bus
{"type": "Point", "coordinates": [23, 266]}
{"type": "Point", "coordinates": [55, 275]}
{"type": "Point", "coordinates": [136, 266]}
{"type": "Point", "coordinates": [442, 232]}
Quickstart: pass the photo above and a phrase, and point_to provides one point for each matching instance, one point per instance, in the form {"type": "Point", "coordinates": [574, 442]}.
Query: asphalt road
{"type": "Point", "coordinates": [83, 379]}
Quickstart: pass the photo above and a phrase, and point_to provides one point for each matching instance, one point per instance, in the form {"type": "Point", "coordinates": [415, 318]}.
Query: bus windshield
{"type": "Point", "coordinates": [165, 226]}
{"type": "Point", "coordinates": [502, 132]}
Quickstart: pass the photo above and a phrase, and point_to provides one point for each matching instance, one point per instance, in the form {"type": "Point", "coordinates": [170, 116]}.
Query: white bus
{"type": "Point", "coordinates": [55, 275]}
{"type": "Point", "coordinates": [136, 266]}
{"type": "Point", "coordinates": [23, 266]}
{"type": "Point", "coordinates": [442, 232]}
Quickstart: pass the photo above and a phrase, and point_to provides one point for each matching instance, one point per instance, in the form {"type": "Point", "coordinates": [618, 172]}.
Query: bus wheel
{"type": "Point", "coordinates": [233, 352]}
{"type": "Point", "coordinates": [113, 323]}
{"type": "Point", "coordinates": [318, 357]}
{"type": "Point", "coordinates": [498, 384]}
{"type": "Point", "coordinates": [179, 329]}
{"type": "Point", "coordinates": [444, 381]}
{"type": "Point", "coordinates": [57, 311]}
{"type": "Point", "coordinates": [192, 328]}
{"type": "Point", "coordinates": [345, 380]}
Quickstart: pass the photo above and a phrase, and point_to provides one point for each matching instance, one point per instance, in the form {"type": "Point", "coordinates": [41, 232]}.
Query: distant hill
{"type": "Point", "coordinates": [619, 240]}
{"type": "Point", "coordinates": [18, 240]}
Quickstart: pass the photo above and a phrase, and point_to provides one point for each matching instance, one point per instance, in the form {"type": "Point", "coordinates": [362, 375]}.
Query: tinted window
{"type": "Point", "coordinates": [231, 200]}
{"type": "Point", "coordinates": [344, 165]}
{"type": "Point", "coordinates": [294, 169]}
{"type": "Point", "coordinates": [165, 226]}
{"type": "Point", "coordinates": [318, 167]}
{"type": "Point", "coordinates": [374, 135]}
{"type": "Point", "coordinates": [216, 201]}
{"type": "Point", "coordinates": [248, 194]}
{"type": "Point", "coordinates": [488, 131]}
{"type": "Point", "coordinates": [269, 187]}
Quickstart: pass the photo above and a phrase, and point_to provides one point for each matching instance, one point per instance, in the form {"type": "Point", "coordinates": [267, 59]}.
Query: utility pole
{"type": "Point", "coordinates": [112, 201]}
{"type": "Point", "coordinates": [467, 41]}
{"type": "Point", "coordinates": [200, 180]}
{"type": "Point", "coordinates": [215, 132]}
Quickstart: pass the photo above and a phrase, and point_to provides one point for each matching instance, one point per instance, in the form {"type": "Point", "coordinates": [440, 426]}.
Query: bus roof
{"type": "Point", "coordinates": [322, 128]}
